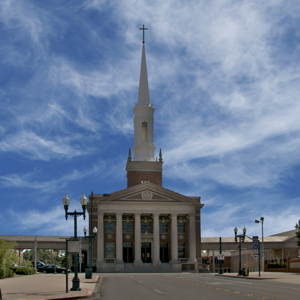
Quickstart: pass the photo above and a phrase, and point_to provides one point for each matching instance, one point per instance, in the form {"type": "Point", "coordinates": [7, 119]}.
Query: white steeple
{"type": "Point", "coordinates": [144, 99]}
{"type": "Point", "coordinates": [143, 148]}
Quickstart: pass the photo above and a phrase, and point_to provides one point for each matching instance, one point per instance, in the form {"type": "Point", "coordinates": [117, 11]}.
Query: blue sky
{"type": "Point", "coordinates": [224, 81]}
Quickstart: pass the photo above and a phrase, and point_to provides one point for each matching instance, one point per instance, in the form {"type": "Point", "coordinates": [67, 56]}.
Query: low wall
{"type": "Point", "coordinates": [277, 270]}
{"type": "Point", "coordinates": [294, 265]}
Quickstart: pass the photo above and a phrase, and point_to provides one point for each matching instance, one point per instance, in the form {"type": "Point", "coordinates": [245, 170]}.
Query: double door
{"type": "Point", "coordinates": [127, 253]}
{"type": "Point", "coordinates": [146, 253]}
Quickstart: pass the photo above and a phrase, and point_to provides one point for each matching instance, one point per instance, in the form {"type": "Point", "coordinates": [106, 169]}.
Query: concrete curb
{"type": "Point", "coordinates": [246, 277]}
{"type": "Point", "coordinates": [89, 293]}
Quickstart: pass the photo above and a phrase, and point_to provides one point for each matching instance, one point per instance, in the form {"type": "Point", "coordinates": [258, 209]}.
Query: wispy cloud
{"type": "Point", "coordinates": [223, 81]}
{"type": "Point", "coordinates": [38, 222]}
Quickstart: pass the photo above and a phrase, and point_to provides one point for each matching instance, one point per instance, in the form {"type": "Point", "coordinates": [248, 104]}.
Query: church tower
{"type": "Point", "coordinates": [143, 166]}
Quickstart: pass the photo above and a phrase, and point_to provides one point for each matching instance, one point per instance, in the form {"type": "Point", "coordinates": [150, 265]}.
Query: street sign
{"type": "Point", "coordinates": [221, 257]}
{"type": "Point", "coordinates": [73, 247]}
{"type": "Point", "coordinates": [255, 242]}
{"type": "Point", "coordinates": [255, 256]}
{"type": "Point", "coordinates": [255, 251]}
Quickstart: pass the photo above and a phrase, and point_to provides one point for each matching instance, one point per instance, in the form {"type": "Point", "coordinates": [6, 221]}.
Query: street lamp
{"type": "Point", "coordinates": [241, 239]}
{"type": "Point", "coordinates": [83, 202]}
{"type": "Point", "coordinates": [262, 246]}
{"type": "Point", "coordinates": [89, 271]}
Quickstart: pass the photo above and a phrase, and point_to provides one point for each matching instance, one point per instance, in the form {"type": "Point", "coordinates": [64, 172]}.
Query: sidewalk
{"type": "Point", "coordinates": [274, 276]}
{"type": "Point", "coordinates": [46, 286]}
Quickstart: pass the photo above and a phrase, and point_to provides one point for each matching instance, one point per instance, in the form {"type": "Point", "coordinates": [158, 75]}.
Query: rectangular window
{"type": "Point", "coordinates": [181, 227]}
{"type": "Point", "coordinates": [109, 227]}
{"type": "Point", "coordinates": [181, 250]}
{"type": "Point", "coordinates": [163, 227]}
{"type": "Point", "coordinates": [127, 245]}
{"type": "Point", "coordinates": [145, 227]}
{"type": "Point", "coordinates": [163, 245]}
{"type": "Point", "coordinates": [127, 227]}
{"type": "Point", "coordinates": [144, 132]}
{"type": "Point", "coordinates": [109, 250]}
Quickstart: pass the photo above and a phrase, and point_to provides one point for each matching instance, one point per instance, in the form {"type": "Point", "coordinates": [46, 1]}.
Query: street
{"type": "Point", "coordinates": [192, 286]}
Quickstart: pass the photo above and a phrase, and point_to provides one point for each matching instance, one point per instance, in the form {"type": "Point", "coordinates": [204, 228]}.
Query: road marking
{"type": "Point", "coordinates": [158, 291]}
{"type": "Point", "coordinates": [222, 289]}
{"type": "Point", "coordinates": [218, 282]}
{"type": "Point", "coordinates": [139, 281]}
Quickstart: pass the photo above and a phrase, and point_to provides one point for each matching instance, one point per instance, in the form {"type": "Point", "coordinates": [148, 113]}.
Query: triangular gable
{"type": "Point", "coordinates": [146, 195]}
{"type": "Point", "coordinates": [147, 192]}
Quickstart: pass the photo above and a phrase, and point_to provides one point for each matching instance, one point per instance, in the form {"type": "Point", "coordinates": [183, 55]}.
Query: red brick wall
{"type": "Point", "coordinates": [135, 177]}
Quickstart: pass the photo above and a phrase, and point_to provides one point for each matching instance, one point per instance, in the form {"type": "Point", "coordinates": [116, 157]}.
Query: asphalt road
{"type": "Point", "coordinates": [192, 286]}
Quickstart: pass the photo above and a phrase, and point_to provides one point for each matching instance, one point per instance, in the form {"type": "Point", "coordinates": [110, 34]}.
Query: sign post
{"type": "Point", "coordinates": [256, 252]}
{"type": "Point", "coordinates": [221, 257]}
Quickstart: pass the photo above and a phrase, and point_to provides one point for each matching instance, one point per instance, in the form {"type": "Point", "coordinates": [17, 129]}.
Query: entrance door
{"type": "Point", "coordinates": [164, 257]}
{"type": "Point", "coordinates": [127, 253]}
{"type": "Point", "coordinates": [146, 252]}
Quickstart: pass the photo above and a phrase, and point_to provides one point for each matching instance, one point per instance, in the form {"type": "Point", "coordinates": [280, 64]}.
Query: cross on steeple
{"type": "Point", "coordinates": [143, 32]}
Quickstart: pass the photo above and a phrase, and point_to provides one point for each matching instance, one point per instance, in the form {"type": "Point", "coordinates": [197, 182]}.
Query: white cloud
{"type": "Point", "coordinates": [50, 222]}
{"type": "Point", "coordinates": [29, 180]}
{"type": "Point", "coordinates": [37, 147]}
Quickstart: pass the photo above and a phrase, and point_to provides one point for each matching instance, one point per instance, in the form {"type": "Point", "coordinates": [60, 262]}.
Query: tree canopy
{"type": "Point", "coordinates": [7, 257]}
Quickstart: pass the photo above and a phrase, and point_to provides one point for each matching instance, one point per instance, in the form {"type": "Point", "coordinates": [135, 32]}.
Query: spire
{"type": "Point", "coordinates": [160, 156]}
{"type": "Point", "coordinates": [129, 155]}
{"type": "Point", "coordinates": [144, 99]}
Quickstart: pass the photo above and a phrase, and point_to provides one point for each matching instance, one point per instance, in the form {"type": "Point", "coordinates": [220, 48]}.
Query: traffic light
{"type": "Point", "coordinates": [207, 259]}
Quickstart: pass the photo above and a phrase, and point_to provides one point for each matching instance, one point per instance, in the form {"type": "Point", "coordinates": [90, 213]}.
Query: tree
{"type": "Point", "coordinates": [44, 256]}
{"type": "Point", "coordinates": [298, 233]}
{"type": "Point", "coordinates": [7, 258]}
{"type": "Point", "coordinates": [28, 255]}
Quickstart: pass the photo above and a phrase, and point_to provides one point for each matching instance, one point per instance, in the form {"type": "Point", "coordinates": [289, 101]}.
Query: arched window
{"type": "Point", "coordinates": [144, 132]}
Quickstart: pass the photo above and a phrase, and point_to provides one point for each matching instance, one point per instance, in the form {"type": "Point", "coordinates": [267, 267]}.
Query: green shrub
{"type": "Point", "coordinates": [276, 265]}
{"type": "Point", "coordinates": [25, 270]}
{"type": "Point", "coordinates": [8, 273]}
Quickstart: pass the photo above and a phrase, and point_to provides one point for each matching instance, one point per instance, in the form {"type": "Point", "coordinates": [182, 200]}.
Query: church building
{"type": "Point", "coordinates": [145, 225]}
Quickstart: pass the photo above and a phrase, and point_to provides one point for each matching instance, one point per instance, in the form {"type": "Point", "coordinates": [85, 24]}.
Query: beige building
{"type": "Point", "coordinates": [146, 225]}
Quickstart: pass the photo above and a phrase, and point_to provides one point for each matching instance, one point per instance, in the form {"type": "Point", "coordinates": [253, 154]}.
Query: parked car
{"type": "Point", "coordinates": [51, 269]}
{"type": "Point", "coordinates": [39, 264]}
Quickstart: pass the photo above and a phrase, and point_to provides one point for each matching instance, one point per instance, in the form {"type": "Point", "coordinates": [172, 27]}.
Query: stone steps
{"type": "Point", "coordinates": [147, 268]}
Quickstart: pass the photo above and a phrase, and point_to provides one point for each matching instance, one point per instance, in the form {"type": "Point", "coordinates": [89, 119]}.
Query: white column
{"type": "Point", "coordinates": [119, 239]}
{"type": "Point", "coordinates": [174, 239]}
{"type": "Point", "coordinates": [156, 244]}
{"type": "Point", "coordinates": [100, 239]}
{"type": "Point", "coordinates": [192, 238]}
{"type": "Point", "coordinates": [137, 240]}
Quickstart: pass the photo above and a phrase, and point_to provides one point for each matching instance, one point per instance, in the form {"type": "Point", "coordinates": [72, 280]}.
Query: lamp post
{"type": "Point", "coordinates": [83, 202]}
{"type": "Point", "coordinates": [262, 245]}
{"type": "Point", "coordinates": [89, 271]}
{"type": "Point", "coordinates": [241, 239]}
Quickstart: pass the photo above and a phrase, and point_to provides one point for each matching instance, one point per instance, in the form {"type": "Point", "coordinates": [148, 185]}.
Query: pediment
{"type": "Point", "coordinates": [147, 192]}
{"type": "Point", "coordinates": [146, 195]}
